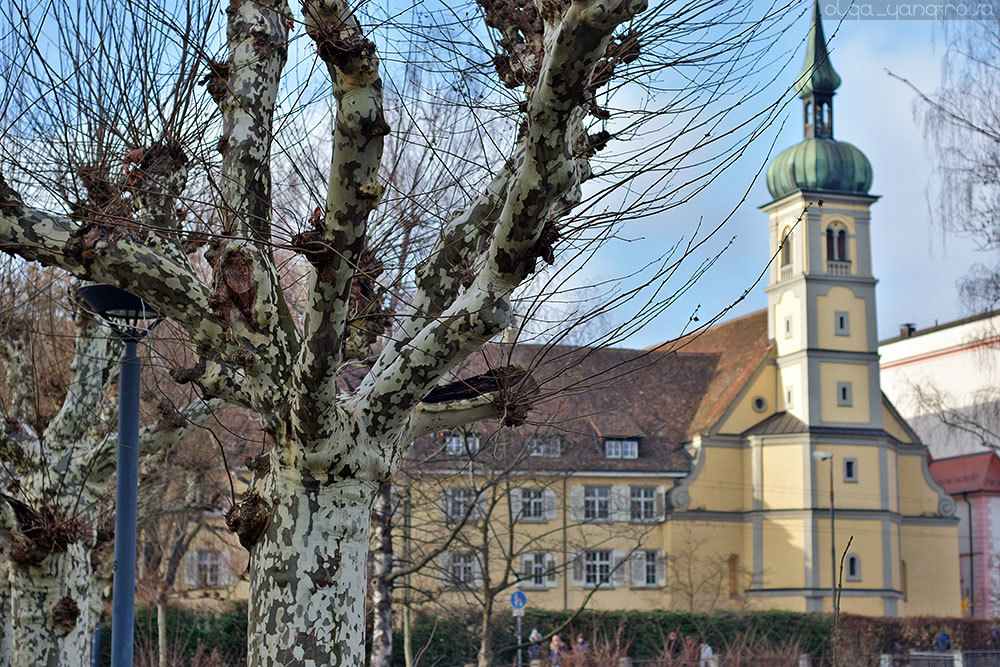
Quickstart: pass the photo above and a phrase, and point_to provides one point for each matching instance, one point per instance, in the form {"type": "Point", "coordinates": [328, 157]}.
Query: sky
{"type": "Point", "coordinates": [916, 263]}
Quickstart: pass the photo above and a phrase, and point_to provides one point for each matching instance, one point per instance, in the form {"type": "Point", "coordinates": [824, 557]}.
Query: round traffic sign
{"type": "Point", "coordinates": [518, 600]}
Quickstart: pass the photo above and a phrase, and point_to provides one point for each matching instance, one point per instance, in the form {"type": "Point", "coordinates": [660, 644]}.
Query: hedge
{"type": "Point", "coordinates": [453, 638]}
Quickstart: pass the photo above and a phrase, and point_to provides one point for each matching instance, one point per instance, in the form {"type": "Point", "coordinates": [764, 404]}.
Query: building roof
{"type": "Point", "coordinates": [968, 474]}
{"type": "Point", "coordinates": [740, 346]}
{"type": "Point", "coordinates": [779, 423]}
{"type": "Point", "coordinates": [661, 396]}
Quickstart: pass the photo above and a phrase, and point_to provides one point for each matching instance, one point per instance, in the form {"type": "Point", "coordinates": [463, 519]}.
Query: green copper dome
{"type": "Point", "coordinates": [819, 165]}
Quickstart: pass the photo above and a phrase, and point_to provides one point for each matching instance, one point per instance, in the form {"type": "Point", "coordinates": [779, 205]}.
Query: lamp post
{"type": "Point", "coordinates": [131, 319]}
{"type": "Point", "coordinates": [824, 456]}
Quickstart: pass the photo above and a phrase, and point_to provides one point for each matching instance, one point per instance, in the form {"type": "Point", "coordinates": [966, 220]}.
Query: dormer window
{"type": "Point", "coordinates": [621, 448]}
{"type": "Point", "coordinates": [456, 444]}
{"type": "Point", "coordinates": [548, 447]}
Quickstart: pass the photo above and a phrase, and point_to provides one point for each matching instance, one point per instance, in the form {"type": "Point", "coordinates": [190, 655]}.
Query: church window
{"type": "Point", "coordinates": [786, 247]}
{"type": "Point", "coordinates": [836, 244]}
{"type": "Point", "coordinates": [788, 327]}
{"type": "Point", "coordinates": [809, 110]}
{"type": "Point", "coordinates": [844, 394]}
{"type": "Point", "coordinates": [853, 568]}
{"type": "Point", "coordinates": [850, 470]}
{"type": "Point", "coordinates": [789, 395]}
{"type": "Point", "coordinates": [842, 323]}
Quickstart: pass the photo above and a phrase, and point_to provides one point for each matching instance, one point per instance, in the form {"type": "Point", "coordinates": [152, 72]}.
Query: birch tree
{"type": "Point", "coordinates": [339, 398]}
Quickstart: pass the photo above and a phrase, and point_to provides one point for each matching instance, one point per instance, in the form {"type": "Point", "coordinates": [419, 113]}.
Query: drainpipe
{"type": "Point", "coordinates": [972, 560]}
{"type": "Point", "coordinates": [565, 551]}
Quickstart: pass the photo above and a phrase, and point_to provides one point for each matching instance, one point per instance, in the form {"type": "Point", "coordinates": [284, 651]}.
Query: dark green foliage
{"type": "Point", "coordinates": [192, 635]}
{"type": "Point", "coordinates": [453, 639]}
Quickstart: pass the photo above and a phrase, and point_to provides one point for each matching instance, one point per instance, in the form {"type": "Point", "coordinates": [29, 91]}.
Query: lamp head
{"type": "Point", "coordinates": [822, 456]}
{"type": "Point", "coordinates": [128, 315]}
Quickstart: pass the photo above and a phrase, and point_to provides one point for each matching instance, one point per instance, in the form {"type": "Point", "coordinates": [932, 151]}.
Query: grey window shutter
{"type": "Point", "coordinates": [225, 568]}
{"type": "Point", "coordinates": [551, 571]}
{"type": "Point", "coordinates": [444, 567]}
{"type": "Point", "coordinates": [618, 574]}
{"type": "Point", "coordinates": [515, 504]}
{"type": "Point", "coordinates": [620, 501]}
{"type": "Point", "coordinates": [661, 568]}
{"type": "Point", "coordinates": [576, 503]}
{"type": "Point", "coordinates": [526, 571]}
{"type": "Point", "coordinates": [661, 503]}
{"type": "Point", "coordinates": [579, 577]}
{"type": "Point", "coordinates": [191, 568]}
{"type": "Point", "coordinates": [477, 573]}
{"type": "Point", "coordinates": [637, 569]}
{"type": "Point", "coordinates": [443, 508]}
{"type": "Point", "coordinates": [550, 504]}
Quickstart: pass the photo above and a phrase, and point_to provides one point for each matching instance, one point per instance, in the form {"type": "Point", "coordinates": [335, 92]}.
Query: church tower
{"type": "Point", "coordinates": [821, 293]}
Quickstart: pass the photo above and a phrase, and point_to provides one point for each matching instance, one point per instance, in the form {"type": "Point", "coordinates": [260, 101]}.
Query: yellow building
{"type": "Point", "coordinates": [698, 474]}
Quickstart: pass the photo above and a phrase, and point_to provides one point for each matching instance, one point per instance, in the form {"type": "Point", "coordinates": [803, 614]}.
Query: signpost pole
{"type": "Point", "coordinates": [518, 600]}
{"type": "Point", "coordinates": [519, 641]}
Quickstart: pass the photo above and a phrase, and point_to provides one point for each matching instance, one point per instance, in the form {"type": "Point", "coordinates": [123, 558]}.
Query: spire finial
{"type": "Point", "coordinates": [817, 73]}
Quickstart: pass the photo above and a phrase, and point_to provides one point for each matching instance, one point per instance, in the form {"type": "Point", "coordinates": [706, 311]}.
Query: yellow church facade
{"type": "Point", "coordinates": [702, 477]}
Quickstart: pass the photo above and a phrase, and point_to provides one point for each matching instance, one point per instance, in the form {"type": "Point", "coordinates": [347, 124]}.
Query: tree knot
{"type": "Point", "coordinates": [64, 614]}
{"type": "Point", "coordinates": [41, 533]}
{"type": "Point", "coordinates": [10, 201]}
{"type": "Point", "coordinates": [249, 519]}
{"type": "Point", "coordinates": [217, 80]}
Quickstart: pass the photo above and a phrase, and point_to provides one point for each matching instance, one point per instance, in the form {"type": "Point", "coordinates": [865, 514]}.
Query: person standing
{"type": "Point", "coordinates": [706, 656]}
{"type": "Point", "coordinates": [535, 650]}
{"type": "Point", "coordinates": [556, 650]}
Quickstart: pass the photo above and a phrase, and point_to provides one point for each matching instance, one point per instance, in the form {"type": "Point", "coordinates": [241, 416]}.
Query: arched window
{"type": "Point", "coordinates": [836, 244]}
{"type": "Point", "coordinates": [786, 247]}
{"type": "Point", "coordinates": [852, 568]}
{"type": "Point", "coordinates": [809, 110]}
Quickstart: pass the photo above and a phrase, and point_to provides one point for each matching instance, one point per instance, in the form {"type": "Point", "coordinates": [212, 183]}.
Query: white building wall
{"type": "Point", "coordinates": [952, 373]}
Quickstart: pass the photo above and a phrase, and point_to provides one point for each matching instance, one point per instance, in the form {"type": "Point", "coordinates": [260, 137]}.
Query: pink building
{"type": "Point", "coordinates": [974, 481]}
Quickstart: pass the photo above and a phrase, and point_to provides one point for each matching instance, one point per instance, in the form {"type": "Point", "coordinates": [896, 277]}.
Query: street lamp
{"type": "Point", "coordinates": [823, 456]}
{"type": "Point", "coordinates": [131, 319]}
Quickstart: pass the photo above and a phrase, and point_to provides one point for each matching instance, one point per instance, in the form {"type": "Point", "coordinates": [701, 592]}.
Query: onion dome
{"type": "Point", "coordinates": [819, 163]}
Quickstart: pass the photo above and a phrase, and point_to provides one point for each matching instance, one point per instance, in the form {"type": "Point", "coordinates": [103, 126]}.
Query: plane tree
{"type": "Point", "coordinates": [289, 318]}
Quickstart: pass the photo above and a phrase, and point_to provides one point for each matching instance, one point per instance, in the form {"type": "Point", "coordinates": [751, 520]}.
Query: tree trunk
{"type": "Point", "coordinates": [6, 627]}
{"type": "Point", "coordinates": [382, 563]}
{"type": "Point", "coordinates": [307, 574]}
{"type": "Point", "coordinates": [50, 609]}
{"type": "Point", "coordinates": [161, 629]}
{"type": "Point", "coordinates": [485, 644]}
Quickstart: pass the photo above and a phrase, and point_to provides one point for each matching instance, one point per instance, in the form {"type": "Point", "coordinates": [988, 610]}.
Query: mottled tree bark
{"type": "Point", "coordinates": [48, 519]}
{"type": "Point", "coordinates": [381, 584]}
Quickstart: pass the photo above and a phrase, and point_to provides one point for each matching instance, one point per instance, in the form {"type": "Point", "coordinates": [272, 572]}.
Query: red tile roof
{"type": "Point", "coordinates": [741, 346]}
{"type": "Point", "coordinates": [663, 396]}
{"type": "Point", "coordinates": [967, 474]}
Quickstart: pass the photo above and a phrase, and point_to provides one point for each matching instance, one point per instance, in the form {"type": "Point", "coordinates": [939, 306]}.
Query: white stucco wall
{"type": "Point", "coordinates": [960, 364]}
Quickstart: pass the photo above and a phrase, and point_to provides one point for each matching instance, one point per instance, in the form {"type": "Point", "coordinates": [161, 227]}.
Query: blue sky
{"type": "Point", "coordinates": [916, 263]}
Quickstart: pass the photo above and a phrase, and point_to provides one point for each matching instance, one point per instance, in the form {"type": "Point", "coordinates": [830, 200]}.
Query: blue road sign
{"type": "Point", "coordinates": [518, 600]}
